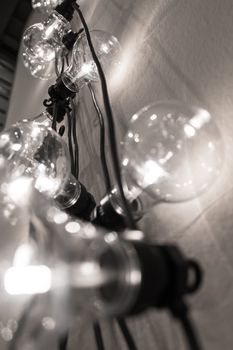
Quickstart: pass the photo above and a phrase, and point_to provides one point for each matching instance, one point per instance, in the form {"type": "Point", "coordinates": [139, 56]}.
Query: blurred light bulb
{"type": "Point", "coordinates": [172, 152]}
{"type": "Point", "coordinates": [84, 271]}
{"type": "Point", "coordinates": [45, 5]}
{"type": "Point", "coordinates": [42, 42]}
{"type": "Point", "coordinates": [82, 68]}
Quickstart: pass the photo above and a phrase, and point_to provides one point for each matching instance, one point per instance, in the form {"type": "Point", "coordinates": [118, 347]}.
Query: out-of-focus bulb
{"type": "Point", "coordinates": [42, 42]}
{"type": "Point", "coordinates": [172, 152]}
{"type": "Point", "coordinates": [82, 68]}
{"type": "Point", "coordinates": [73, 269]}
{"type": "Point", "coordinates": [45, 5]}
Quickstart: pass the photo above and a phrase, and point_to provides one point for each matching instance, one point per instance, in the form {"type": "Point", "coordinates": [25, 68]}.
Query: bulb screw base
{"type": "Point", "coordinates": [110, 214]}
{"type": "Point", "coordinates": [105, 215]}
{"type": "Point", "coordinates": [165, 277]}
{"type": "Point", "coordinates": [70, 38]}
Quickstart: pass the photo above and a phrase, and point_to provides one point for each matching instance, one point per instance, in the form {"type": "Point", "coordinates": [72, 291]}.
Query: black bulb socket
{"type": "Point", "coordinates": [165, 277]}
{"type": "Point", "coordinates": [66, 9]}
{"type": "Point", "coordinates": [84, 206]}
{"type": "Point", "coordinates": [59, 91]}
{"type": "Point", "coordinates": [110, 214]}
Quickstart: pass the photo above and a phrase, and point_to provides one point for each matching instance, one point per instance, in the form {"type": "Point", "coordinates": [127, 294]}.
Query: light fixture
{"type": "Point", "coordinates": [171, 153]}
{"type": "Point", "coordinates": [32, 153]}
{"type": "Point", "coordinates": [42, 42]}
{"type": "Point", "coordinates": [82, 67]}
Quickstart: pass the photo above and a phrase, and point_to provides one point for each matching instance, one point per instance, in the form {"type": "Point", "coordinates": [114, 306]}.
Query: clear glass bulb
{"type": "Point", "coordinates": [45, 5]}
{"type": "Point", "coordinates": [82, 68]}
{"type": "Point", "coordinates": [30, 150]}
{"type": "Point", "coordinates": [73, 268]}
{"type": "Point", "coordinates": [172, 152]}
{"type": "Point", "coordinates": [42, 42]}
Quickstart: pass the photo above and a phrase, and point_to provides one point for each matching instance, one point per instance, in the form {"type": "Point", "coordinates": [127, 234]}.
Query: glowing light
{"type": "Point", "coordinates": [87, 68]}
{"type": "Point", "coordinates": [151, 172]}
{"type": "Point", "coordinates": [72, 227]}
{"type": "Point", "coordinates": [48, 323]}
{"type": "Point", "coordinates": [153, 117]}
{"type": "Point", "coordinates": [56, 215]}
{"type": "Point", "coordinates": [88, 275]}
{"type": "Point", "coordinates": [201, 118]}
{"type": "Point", "coordinates": [125, 161]}
{"type": "Point", "coordinates": [189, 130]}
{"type": "Point", "coordinates": [23, 255]}
{"type": "Point", "coordinates": [16, 147]}
{"type": "Point", "coordinates": [105, 48]}
{"type": "Point", "coordinates": [19, 190]}
{"type": "Point", "coordinates": [134, 235]}
{"type": "Point", "coordinates": [28, 280]}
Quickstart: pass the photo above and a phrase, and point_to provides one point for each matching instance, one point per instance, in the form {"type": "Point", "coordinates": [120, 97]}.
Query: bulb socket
{"type": "Point", "coordinates": [105, 215]}
{"type": "Point", "coordinates": [70, 38]}
{"type": "Point", "coordinates": [84, 205]}
{"type": "Point", "coordinates": [110, 214]}
{"type": "Point", "coordinates": [165, 276]}
{"type": "Point", "coordinates": [66, 9]}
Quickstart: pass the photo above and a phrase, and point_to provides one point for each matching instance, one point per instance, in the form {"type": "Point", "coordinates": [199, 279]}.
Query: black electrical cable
{"type": "Point", "coordinates": [75, 140]}
{"type": "Point", "coordinates": [127, 334]}
{"type": "Point", "coordinates": [71, 151]}
{"type": "Point", "coordinates": [55, 115]}
{"type": "Point", "coordinates": [98, 336]}
{"type": "Point", "coordinates": [111, 127]}
{"type": "Point", "coordinates": [63, 341]}
{"type": "Point", "coordinates": [190, 332]}
{"type": "Point", "coordinates": [102, 141]}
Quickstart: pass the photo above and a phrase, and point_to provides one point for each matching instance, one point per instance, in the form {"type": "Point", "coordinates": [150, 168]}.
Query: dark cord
{"type": "Point", "coordinates": [102, 141]}
{"type": "Point", "coordinates": [190, 332]}
{"type": "Point", "coordinates": [127, 334]}
{"type": "Point", "coordinates": [111, 127]}
{"type": "Point", "coordinates": [55, 115]}
{"type": "Point", "coordinates": [76, 146]}
{"type": "Point", "coordinates": [70, 126]}
{"type": "Point", "coordinates": [98, 336]}
{"type": "Point", "coordinates": [63, 341]}
{"type": "Point", "coordinates": [180, 311]}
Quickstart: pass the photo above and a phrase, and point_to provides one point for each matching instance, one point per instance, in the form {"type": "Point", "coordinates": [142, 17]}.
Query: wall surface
{"type": "Point", "coordinates": [172, 49]}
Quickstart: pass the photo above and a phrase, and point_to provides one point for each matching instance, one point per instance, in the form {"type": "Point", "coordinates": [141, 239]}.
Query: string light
{"type": "Point", "coordinates": [42, 42]}
{"type": "Point", "coordinates": [172, 152]}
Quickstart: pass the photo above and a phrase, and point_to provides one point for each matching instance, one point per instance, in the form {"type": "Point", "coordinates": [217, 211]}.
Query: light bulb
{"type": "Point", "coordinates": [33, 155]}
{"type": "Point", "coordinates": [82, 68]}
{"type": "Point", "coordinates": [171, 153]}
{"type": "Point", "coordinates": [31, 150]}
{"type": "Point", "coordinates": [42, 42]}
{"type": "Point", "coordinates": [45, 5]}
{"type": "Point", "coordinates": [73, 268]}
